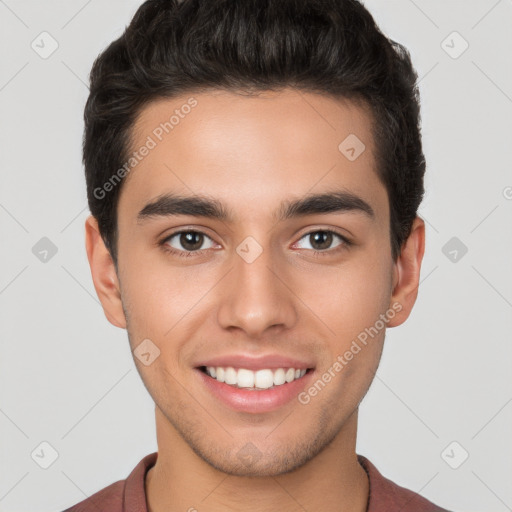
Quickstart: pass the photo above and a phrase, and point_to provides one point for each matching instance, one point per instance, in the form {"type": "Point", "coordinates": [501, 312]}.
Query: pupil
{"type": "Point", "coordinates": [322, 238]}
{"type": "Point", "coordinates": [191, 241]}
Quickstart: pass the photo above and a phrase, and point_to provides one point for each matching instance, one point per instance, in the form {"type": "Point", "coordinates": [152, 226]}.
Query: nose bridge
{"type": "Point", "coordinates": [255, 298]}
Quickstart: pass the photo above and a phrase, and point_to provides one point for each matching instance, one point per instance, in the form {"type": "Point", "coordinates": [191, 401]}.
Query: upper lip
{"type": "Point", "coordinates": [270, 361]}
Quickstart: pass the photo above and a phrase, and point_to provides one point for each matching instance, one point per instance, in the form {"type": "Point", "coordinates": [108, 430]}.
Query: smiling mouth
{"type": "Point", "coordinates": [263, 379]}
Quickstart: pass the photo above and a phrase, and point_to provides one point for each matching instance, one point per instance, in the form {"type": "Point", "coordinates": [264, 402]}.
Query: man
{"type": "Point", "coordinates": [254, 170]}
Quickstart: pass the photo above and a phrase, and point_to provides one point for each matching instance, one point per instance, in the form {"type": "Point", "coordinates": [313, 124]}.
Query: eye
{"type": "Point", "coordinates": [321, 240]}
{"type": "Point", "coordinates": [190, 241]}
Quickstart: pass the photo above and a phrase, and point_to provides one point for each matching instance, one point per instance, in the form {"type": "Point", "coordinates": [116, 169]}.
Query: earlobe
{"type": "Point", "coordinates": [407, 273]}
{"type": "Point", "coordinates": [104, 275]}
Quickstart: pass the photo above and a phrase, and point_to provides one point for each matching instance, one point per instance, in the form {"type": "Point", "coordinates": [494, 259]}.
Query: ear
{"type": "Point", "coordinates": [406, 273]}
{"type": "Point", "coordinates": [104, 274]}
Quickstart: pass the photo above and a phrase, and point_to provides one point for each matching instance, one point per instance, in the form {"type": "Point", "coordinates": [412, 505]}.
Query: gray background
{"type": "Point", "coordinates": [67, 377]}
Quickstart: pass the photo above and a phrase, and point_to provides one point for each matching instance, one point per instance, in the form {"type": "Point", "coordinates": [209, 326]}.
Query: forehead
{"type": "Point", "coordinates": [252, 151]}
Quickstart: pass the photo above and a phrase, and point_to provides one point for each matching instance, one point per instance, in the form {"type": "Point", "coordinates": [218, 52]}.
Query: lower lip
{"type": "Point", "coordinates": [245, 400]}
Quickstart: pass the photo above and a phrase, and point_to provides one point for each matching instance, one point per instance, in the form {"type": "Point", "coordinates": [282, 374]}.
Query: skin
{"type": "Point", "coordinates": [251, 153]}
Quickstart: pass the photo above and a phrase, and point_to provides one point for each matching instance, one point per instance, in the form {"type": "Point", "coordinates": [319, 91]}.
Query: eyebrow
{"type": "Point", "coordinates": [168, 205]}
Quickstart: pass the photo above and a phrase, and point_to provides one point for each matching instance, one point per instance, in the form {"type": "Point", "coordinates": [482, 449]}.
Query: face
{"type": "Point", "coordinates": [268, 281]}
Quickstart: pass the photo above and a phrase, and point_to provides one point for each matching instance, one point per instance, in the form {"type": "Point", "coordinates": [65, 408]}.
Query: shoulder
{"type": "Point", "coordinates": [121, 496]}
{"type": "Point", "coordinates": [386, 495]}
{"type": "Point", "coordinates": [110, 498]}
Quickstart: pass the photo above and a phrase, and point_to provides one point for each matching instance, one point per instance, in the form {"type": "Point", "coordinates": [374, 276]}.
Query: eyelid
{"type": "Point", "coordinates": [335, 231]}
{"type": "Point", "coordinates": [180, 231]}
{"type": "Point", "coordinates": [345, 241]}
{"type": "Point", "coordinates": [186, 229]}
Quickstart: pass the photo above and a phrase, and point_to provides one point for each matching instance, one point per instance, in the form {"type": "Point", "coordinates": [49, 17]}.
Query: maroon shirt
{"type": "Point", "coordinates": [129, 495]}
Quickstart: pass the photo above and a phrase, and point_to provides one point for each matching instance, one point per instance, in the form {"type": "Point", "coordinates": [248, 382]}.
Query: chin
{"type": "Point", "coordinates": [254, 460]}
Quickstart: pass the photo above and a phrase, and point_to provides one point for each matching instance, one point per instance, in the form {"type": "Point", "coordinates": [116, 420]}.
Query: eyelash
{"type": "Point", "coordinates": [346, 243]}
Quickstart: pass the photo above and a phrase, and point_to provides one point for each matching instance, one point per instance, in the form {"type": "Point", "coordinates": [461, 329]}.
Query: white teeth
{"type": "Point", "coordinates": [279, 377]}
{"type": "Point", "coordinates": [245, 378]}
{"type": "Point", "coordinates": [260, 379]}
{"type": "Point", "coordinates": [230, 376]}
{"type": "Point", "coordinates": [264, 379]}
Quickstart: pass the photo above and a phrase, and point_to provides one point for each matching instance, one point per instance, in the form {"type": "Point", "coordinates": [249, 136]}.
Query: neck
{"type": "Point", "coordinates": [182, 481]}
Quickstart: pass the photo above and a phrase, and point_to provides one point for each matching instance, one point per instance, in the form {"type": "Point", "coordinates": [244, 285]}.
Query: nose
{"type": "Point", "coordinates": [256, 297]}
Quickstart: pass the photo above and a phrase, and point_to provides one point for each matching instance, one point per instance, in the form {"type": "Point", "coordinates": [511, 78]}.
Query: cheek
{"type": "Point", "coordinates": [162, 301]}
{"type": "Point", "coordinates": [347, 298]}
